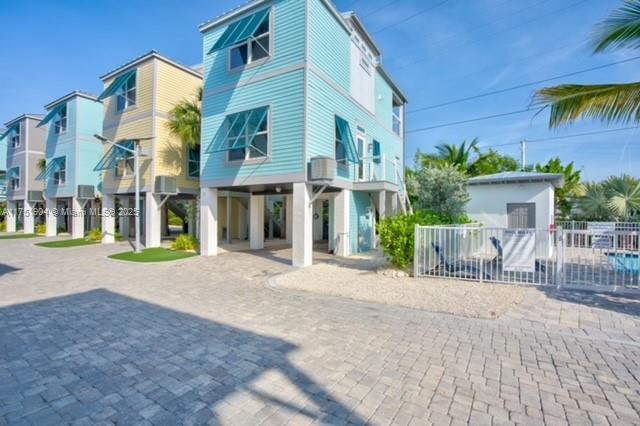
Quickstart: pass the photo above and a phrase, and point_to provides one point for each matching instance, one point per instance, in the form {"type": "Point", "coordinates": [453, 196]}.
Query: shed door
{"type": "Point", "coordinates": [521, 215]}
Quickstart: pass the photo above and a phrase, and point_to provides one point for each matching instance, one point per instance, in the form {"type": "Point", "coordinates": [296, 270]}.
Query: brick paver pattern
{"type": "Point", "coordinates": [86, 340]}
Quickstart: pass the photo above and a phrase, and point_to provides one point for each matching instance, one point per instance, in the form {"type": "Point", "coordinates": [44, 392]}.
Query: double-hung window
{"type": "Point", "coordinates": [60, 173]}
{"type": "Point", "coordinates": [124, 163]}
{"type": "Point", "coordinates": [397, 116]}
{"type": "Point", "coordinates": [248, 135]}
{"type": "Point", "coordinates": [193, 161]}
{"type": "Point", "coordinates": [60, 122]}
{"type": "Point", "coordinates": [255, 48]}
{"type": "Point", "coordinates": [15, 137]}
{"type": "Point", "coordinates": [127, 96]}
{"type": "Point", "coordinates": [14, 178]}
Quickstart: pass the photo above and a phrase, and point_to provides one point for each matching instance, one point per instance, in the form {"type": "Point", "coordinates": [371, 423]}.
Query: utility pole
{"type": "Point", "coordinates": [523, 154]}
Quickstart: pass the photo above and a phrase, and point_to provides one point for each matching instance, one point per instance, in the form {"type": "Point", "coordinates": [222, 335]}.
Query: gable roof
{"type": "Point", "coordinates": [37, 117]}
{"type": "Point", "coordinates": [152, 54]}
{"type": "Point", "coordinates": [70, 96]}
{"type": "Point", "coordinates": [556, 179]}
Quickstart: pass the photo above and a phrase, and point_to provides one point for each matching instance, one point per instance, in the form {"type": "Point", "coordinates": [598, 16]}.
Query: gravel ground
{"type": "Point", "coordinates": [463, 298]}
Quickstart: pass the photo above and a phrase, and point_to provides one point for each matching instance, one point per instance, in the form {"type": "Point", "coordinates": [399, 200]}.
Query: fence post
{"type": "Point", "coordinates": [559, 257]}
{"type": "Point", "coordinates": [415, 250]}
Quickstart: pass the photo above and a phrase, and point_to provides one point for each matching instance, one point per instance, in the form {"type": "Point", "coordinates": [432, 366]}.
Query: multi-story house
{"type": "Point", "coordinates": [301, 120]}
{"type": "Point", "coordinates": [72, 151]}
{"type": "Point", "coordinates": [137, 99]}
{"type": "Point", "coordinates": [3, 168]}
{"type": "Point", "coordinates": [25, 152]}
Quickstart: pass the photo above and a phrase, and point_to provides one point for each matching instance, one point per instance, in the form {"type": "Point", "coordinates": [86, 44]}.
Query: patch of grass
{"type": "Point", "coordinates": [76, 242]}
{"type": "Point", "coordinates": [157, 254]}
{"type": "Point", "coordinates": [18, 236]}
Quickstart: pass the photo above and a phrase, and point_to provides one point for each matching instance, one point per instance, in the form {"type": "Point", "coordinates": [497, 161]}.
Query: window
{"type": "Point", "coordinates": [255, 48]}
{"type": "Point", "coordinates": [193, 161]}
{"type": "Point", "coordinates": [15, 136]}
{"type": "Point", "coordinates": [125, 160]}
{"type": "Point", "coordinates": [60, 175]}
{"type": "Point", "coordinates": [60, 122]}
{"type": "Point", "coordinates": [397, 116]}
{"type": "Point", "coordinates": [248, 135]}
{"type": "Point", "coordinates": [364, 63]}
{"type": "Point", "coordinates": [126, 95]}
{"type": "Point", "coordinates": [340, 146]}
{"type": "Point", "coordinates": [14, 178]}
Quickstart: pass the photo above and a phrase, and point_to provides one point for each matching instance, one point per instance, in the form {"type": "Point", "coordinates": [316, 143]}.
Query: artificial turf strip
{"type": "Point", "coordinates": [77, 242]}
{"type": "Point", "coordinates": [157, 254]}
{"type": "Point", "coordinates": [19, 236]}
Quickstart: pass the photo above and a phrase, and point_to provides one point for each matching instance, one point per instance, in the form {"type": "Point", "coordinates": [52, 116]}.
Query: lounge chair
{"type": "Point", "coordinates": [457, 268]}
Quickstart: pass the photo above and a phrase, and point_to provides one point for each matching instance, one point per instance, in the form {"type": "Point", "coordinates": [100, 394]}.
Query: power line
{"type": "Point", "coordinates": [575, 135]}
{"type": "Point", "coordinates": [553, 12]}
{"type": "Point", "coordinates": [373, 12]}
{"type": "Point", "coordinates": [523, 85]}
{"type": "Point", "coordinates": [408, 18]}
{"type": "Point", "coordinates": [471, 120]}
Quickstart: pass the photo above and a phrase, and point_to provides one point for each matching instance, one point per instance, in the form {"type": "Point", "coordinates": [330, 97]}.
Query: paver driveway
{"type": "Point", "coordinates": [87, 340]}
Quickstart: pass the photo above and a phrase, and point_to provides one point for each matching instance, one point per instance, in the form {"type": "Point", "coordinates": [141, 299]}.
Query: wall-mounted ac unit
{"type": "Point", "coordinates": [86, 192]}
{"type": "Point", "coordinates": [323, 169]}
{"type": "Point", "coordinates": [166, 185]}
{"type": "Point", "coordinates": [34, 196]}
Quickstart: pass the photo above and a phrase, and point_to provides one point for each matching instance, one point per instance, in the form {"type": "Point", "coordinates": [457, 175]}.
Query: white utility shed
{"type": "Point", "coordinates": [514, 199]}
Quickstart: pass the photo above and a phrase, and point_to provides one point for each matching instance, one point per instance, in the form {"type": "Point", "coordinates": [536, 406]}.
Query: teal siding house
{"type": "Point", "coordinates": [3, 166]}
{"type": "Point", "coordinates": [303, 131]}
{"type": "Point", "coordinates": [71, 186]}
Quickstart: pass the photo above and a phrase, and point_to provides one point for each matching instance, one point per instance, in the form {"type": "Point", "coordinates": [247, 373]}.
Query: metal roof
{"type": "Point", "coordinates": [23, 116]}
{"type": "Point", "coordinates": [556, 179]}
{"type": "Point", "coordinates": [71, 95]}
{"type": "Point", "coordinates": [146, 56]}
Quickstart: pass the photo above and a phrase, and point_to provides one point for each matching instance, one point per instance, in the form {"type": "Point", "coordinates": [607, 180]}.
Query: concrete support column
{"type": "Point", "coordinates": [12, 216]}
{"type": "Point", "coordinates": [382, 204]}
{"type": "Point", "coordinates": [391, 207]}
{"type": "Point", "coordinates": [342, 205]}
{"type": "Point", "coordinates": [125, 221]}
{"type": "Point", "coordinates": [242, 222]}
{"type": "Point", "coordinates": [51, 219]}
{"type": "Point", "coordinates": [302, 245]}
{"type": "Point", "coordinates": [256, 222]}
{"type": "Point", "coordinates": [28, 218]}
{"type": "Point", "coordinates": [191, 224]}
{"type": "Point", "coordinates": [288, 220]}
{"type": "Point", "coordinates": [229, 220]}
{"type": "Point", "coordinates": [77, 218]}
{"type": "Point", "coordinates": [208, 221]}
{"type": "Point", "coordinates": [108, 219]}
{"type": "Point", "coordinates": [152, 215]}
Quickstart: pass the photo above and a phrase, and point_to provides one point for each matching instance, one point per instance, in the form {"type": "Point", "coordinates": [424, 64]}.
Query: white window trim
{"type": "Point", "coordinates": [63, 181]}
{"type": "Point", "coordinates": [397, 117]}
{"type": "Point", "coordinates": [15, 143]}
{"type": "Point", "coordinates": [13, 180]}
{"type": "Point", "coordinates": [257, 62]}
{"type": "Point", "coordinates": [125, 175]}
{"type": "Point", "coordinates": [247, 159]}
{"type": "Point", "coordinates": [128, 106]}
{"type": "Point", "coordinates": [58, 119]}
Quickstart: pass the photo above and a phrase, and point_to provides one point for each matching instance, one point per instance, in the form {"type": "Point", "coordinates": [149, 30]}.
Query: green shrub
{"type": "Point", "coordinates": [3, 226]}
{"type": "Point", "coordinates": [185, 242]}
{"type": "Point", "coordinates": [397, 234]}
{"type": "Point", "coordinates": [41, 229]}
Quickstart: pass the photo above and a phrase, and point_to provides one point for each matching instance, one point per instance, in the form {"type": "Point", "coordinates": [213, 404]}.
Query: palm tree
{"type": "Point", "coordinates": [594, 203]}
{"type": "Point", "coordinates": [185, 120]}
{"type": "Point", "coordinates": [623, 196]}
{"type": "Point", "coordinates": [458, 156]}
{"type": "Point", "coordinates": [605, 102]}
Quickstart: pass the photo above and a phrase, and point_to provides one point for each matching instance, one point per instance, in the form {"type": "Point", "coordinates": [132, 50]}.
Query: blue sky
{"type": "Point", "coordinates": [436, 50]}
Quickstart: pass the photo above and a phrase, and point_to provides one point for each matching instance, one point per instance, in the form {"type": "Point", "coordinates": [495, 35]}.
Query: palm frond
{"type": "Point", "coordinates": [185, 120]}
{"type": "Point", "coordinates": [605, 102]}
{"type": "Point", "coordinates": [620, 29]}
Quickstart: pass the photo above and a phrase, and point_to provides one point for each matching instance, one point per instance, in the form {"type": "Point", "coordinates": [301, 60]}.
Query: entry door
{"type": "Point", "coordinates": [521, 215]}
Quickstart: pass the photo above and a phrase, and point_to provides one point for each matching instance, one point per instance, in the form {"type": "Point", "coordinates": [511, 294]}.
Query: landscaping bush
{"type": "Point", "coordinates": [397, 234]}
{"type": "Point", "coordinates": [95, 235]}
{"type": "Point", "coordinates": [185, 242]}
{"type": "Point", "coordinates": [441, 190]}
{"type": "Point", "coordinates": [3, 226]}
{"type": "Point", "coordinates": [41, 229]}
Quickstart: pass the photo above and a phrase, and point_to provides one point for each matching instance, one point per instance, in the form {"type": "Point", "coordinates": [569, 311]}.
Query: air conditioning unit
{"type": "Point", "coordinates": [86, 192]}
{"type": "Point", "coordinates": [323, 169]}
{"type": "Point", "coordinates": [166, 185]}
{"type": "Point", "coordinates": [35, 196]}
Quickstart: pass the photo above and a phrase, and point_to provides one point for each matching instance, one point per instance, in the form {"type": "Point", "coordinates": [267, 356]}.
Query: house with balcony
{"type": "Point", "coordinates": [137, 99]}
{"type": "Point", "coordinates": [71, 185]}
{"type": "Point", "coordinates": [26, 144]}
{"type": "Point", "coordinates": [302, 130]}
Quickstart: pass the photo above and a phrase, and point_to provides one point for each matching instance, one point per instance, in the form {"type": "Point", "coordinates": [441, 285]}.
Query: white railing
{"type": "Point", "coordinates": [377, 169]}
{"type": "Point", "coordinates": [602, 260]}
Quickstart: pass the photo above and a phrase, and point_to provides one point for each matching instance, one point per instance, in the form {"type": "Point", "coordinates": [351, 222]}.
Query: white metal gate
{"type": "Point", "coordinates": [599, 257]}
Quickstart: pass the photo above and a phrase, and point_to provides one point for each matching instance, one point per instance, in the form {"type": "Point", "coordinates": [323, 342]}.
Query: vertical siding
{"type": "Point", "coordinates": [288, 33]}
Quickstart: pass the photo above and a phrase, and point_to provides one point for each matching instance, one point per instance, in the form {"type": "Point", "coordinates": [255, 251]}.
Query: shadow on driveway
{"type": "Point", "coordinates": [622, 303]}
{"type": "Point", "coordinates": [103, 356]}
{"type": "Point", "coordinates": [7, 269]}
